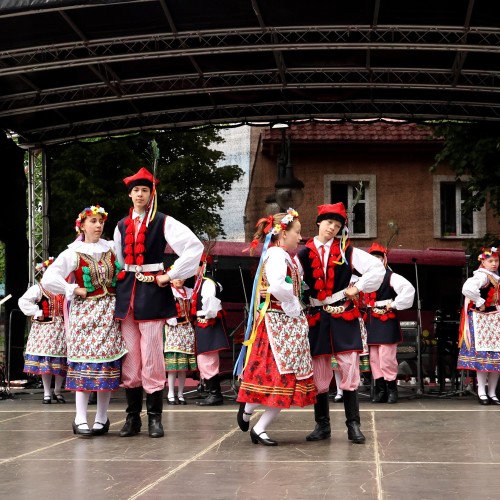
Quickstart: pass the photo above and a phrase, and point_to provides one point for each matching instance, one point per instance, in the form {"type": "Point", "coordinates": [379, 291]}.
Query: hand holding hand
{"type": "Point", "coordinates": [162, 280]}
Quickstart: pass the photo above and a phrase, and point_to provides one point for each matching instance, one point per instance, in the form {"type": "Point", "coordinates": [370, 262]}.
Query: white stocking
{"type": "Point", "coordinates": [481, 383]}
{"type": "Point", "coordinates": [492, 383]}
{"type": "Point", "coordinates": [181, 382]}
{"type": "Point", "coordinates": [81, 401]}
{"type": "Point", "coordinates": [101, 415]}
{"type": "Point", "coordinates": [58, 384]}
{"type": "Point", "coordinates": [249, 408]}
{"type": "Point", "coordinates": [46, 380]}
{"type": "Point", "coordinates": [267, 417]}
{"type": "Point", "coordinates": [171, 384]}
{"type": "Point", "coordinates": [338, 379]}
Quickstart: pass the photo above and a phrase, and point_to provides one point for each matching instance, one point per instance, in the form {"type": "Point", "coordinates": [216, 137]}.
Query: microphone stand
{"type": "Point", "coordinates": [420, 388]}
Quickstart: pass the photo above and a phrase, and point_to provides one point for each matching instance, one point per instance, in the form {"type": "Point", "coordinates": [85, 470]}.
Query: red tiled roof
{"type": "Point", "coordinates": [352, 132]}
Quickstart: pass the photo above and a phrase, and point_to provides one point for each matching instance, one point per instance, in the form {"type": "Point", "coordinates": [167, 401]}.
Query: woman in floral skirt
{"type": "Point", "coordinates": [278, 369]}
{"type": "Point", "coordinates": [479, 341]}
{"type": "Point", "coordinates": [95, 345]}
{"type": "Point", "coordinates": [46, 348]}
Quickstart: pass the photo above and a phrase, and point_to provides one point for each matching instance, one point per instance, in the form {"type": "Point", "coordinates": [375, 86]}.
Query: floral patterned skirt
{"type": "Point", "coordinates": [470, 359]}
{"type": "Point", "coordinates": [42, 365]}
{"type": "Point", "coordinates": [180, 362]}
{"type": "Point", "coordinates": [47, 338]}
{"type": "Point", "coordinates": [88, 377]}
{"type": "Point", "coordinates": [263, 384]}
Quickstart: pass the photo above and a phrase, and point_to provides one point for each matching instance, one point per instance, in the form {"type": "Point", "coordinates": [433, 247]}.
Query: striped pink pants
{"type": "Point", "coordinates": [348, 369]}
{"type": "Point", "coordinates": [208, 364]}
{"type": "Point", "coordinates": [144, 364]}
{"type": "Point", "coordinates": [383, 362]}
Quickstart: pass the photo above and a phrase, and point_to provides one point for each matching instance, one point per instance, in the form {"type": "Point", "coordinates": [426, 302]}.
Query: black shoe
{"type": "Point", "coordinates": [494, 400]}
{"type": "Point", "coordinates": [392, 392]}
{"type": "Point", "coordinates": [132, 425]}
{"type": "Point", "coordinates": [256, 439]}
{"type": "Point", "coordinates": [47, 400]}
{"type": "Point", "coordinates": [213, 399]}
{"type": "Point", "coordinates": [242, 424]}
{"type": "Point", "coordinates": [354, 433]}
{"type": "Point", "coordinates": [81, 432]}
{"type": "Point", "coordinates": [58, 397]}
{"type": "Point", "coordinates": [171, 401]}
{"type": "Point", "coordinates": [103, 430]}
{"type": "Point", "coordinates": [380, 394]}
{"type": "Point", "coordinates": [320, 432]}
{"type": "Point", "coordinates": [155, 428]}
{"type": "Point", "coordinates": [483, 400]}
{"type": "Point", "coordinates": [339, 398]}
{"type": "Point", "coordinates": [182, 401]}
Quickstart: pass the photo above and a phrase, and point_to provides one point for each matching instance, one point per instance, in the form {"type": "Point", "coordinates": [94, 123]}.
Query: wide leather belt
{"type": "Point", "coordinates": [145, 268]}
{"type": "Point", "coordinates": [336, 297]}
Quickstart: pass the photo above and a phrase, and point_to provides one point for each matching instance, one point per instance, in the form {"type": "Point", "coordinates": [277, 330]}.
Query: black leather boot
{"type": "Point", "coordinates": [353, 422]}
{"type": "Point", "coordinates": [133, 423]}
{"type": "Point", "coordinates": [214, 397]}
{"type": "Point", "coordinates": [380, 395]}
{"type": "Point", "coordinates": [154, 406]}
{"type": "Point", "coordinates": [392, 392]}
{"type": "Point", "coordinates": [322, 418]}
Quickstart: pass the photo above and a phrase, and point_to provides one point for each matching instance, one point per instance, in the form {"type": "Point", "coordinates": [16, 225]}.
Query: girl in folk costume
{"type": "Point", "coordinates": [211, 337]}
{"type": "Point", "coordinates": [335, 323]}
{"type": "Point", "coordinates": [384, 333]}
{"type": "Point", "coordinates": [277, 372]}
{"type": "Point", "coordinates": [95, 345]}
{"type": "Point", "coordinates": [479, 340]}
{"type": "Point", "coordinates": [46, 348]}
{"type": "Point", "coordinates": [144, 301]}
{"type": "Point", "coordinates": [179, 343]}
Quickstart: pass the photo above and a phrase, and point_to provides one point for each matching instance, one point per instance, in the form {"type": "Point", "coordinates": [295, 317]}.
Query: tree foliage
{"type": "Point", "coordinates": [91, 172]}
{"type": "Point", "coordinates": [473, 149]}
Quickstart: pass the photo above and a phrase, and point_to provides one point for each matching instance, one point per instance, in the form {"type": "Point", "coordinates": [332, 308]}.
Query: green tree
{"type": "Point", "coordinates": [473, 149]}
{"type": "Point", "coordinates": [91, 172]}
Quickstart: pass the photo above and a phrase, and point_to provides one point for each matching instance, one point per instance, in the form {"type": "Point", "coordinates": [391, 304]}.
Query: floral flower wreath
{"type": "Point", "coordinates": [487, 253]}
{"type": "Point", "coordinates": [88, 212]}
{"type": "Point", "coordinates": [291, 214]}
{"type": "Point", "coordinates": [42, 266]}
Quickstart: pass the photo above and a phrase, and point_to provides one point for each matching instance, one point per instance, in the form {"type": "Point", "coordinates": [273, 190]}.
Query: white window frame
{"type": "Point", "coordinates": [478, 217]}
{"type": "Point", "coordinates": [370, 201]}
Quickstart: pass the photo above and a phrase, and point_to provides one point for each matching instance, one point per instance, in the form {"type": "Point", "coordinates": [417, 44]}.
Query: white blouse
{"type": "Point", "coordinates": [54, 278]}
{"type": "Point", "coordinates": [405, 292]}
{"type": "Point", "coordinates": [276, 272]}
{"type": "Point", "coordinates": [28, 302]}
{"type": "Point", "coordinates": [471, 288]}
{"type": "Point", "coordinates": [210, 304]}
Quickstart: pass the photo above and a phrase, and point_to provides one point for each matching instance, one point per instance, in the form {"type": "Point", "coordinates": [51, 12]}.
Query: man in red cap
{"type": "Point", "coordinates": [143, 301]}
{"type": "Point", "coordinates": [335, 322]}
{"type": "Point", "coordinates": [395, 294]}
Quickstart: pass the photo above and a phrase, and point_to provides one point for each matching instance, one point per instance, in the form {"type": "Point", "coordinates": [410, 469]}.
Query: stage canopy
{"type": "Point", "coordinates": [79, 69]}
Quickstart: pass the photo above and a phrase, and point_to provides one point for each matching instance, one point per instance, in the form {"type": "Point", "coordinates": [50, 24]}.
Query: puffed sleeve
{"type": "Point", "coordinates": [186, 245]}
{"type": "Point", "coordinates": [28, 302]}
{"type": "Point", "coordinates": [276, 272]}
{"type": "Point", "coordinates": [117, 240]}
{"type": "Point", "coordinates": [54, 278]}
{"type": "Point", "coordinates": [210, 304]}
{"type": "Point", "coordinates": [405, 292]}
{"type": "Point", "coordinates": [472, 286]}
{"type": "Point", "coordinates": [371, 269]}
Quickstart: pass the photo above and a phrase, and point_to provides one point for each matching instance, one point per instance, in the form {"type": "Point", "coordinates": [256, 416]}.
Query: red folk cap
{"type": "Point", "coordinates": [334, 211]}
{"type": "Point", "coordinates": [142, 178]}
{"type": "Point", "coordinates": [376, 248]}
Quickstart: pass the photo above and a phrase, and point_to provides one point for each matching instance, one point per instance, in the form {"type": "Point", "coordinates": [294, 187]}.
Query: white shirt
{"type": "Point", "coordinates": [472, 286]}
{"type": "Point", "coordinates": [210, 304]}
{"type": "Point", "coordinates": [28, 302]}
{"type": "Point", "coordinates": [54, 278]}
{"type": "Point", "coordinates": [276, 272]}
{"type": "Point", "coordinates": [405, 292]}
{"type": "Point", "coordinates": [183, 242]}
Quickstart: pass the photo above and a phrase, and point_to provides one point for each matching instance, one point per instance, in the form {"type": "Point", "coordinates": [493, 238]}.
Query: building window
{"type": "Point", "coordinates": [358, 194]}
{"type": "Point", "coordinates": [450, 221]}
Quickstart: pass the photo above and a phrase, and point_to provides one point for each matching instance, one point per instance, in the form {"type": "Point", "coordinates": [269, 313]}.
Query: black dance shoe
{"type": "Point", "coordinates": [81, 432]}
{"type": "Point", "coordinates": [242, 424]}
{"type": "Point", "coordinates": [483, 400]}
{"type": "Point", "coordinates": [256, 439]}
{"type": "Point", "coordinates": [103, 430]}
{"type": "Point", "coordinates": [59, 398]}
{"type": "Point", "coordinates": [182, 401]}
{"type": "Point", "coordinates": [493, 400]}
{"type": "Point", "coordinates": [47, 400]}
{"type": "Point", "coordinates": [171, 401]}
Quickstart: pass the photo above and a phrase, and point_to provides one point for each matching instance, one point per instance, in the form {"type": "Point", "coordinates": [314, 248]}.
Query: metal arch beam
{"type": "Point", "coordinates": [461, 55]}
{"type": "Point", "coordinates": [300, 79]}
{"type": "Point", "coordinates": [202, 43]}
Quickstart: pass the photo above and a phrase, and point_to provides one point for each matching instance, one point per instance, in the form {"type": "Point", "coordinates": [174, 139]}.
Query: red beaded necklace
{"type": "Point", "coordinates": [134, 247]}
